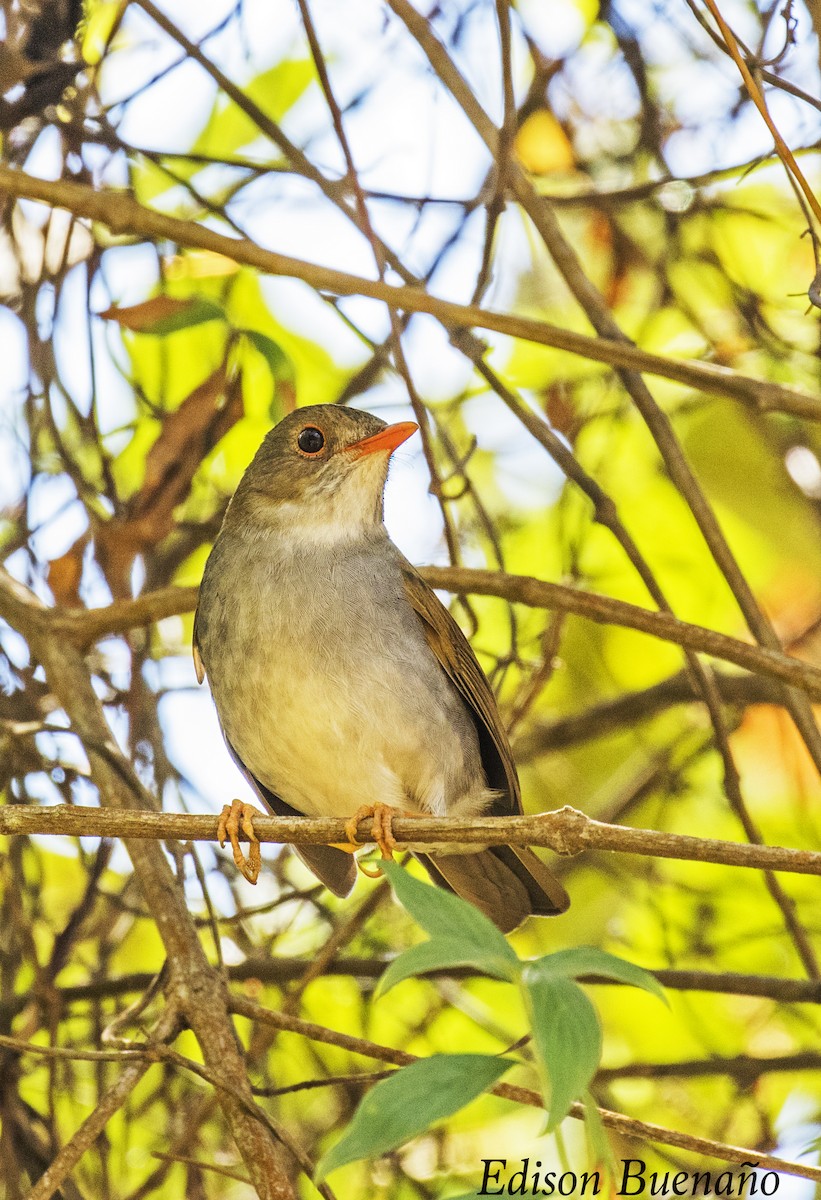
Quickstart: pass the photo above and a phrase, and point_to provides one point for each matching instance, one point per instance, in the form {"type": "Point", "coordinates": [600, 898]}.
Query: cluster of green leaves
{"type": "Point", "coordinates": [564, 1026]}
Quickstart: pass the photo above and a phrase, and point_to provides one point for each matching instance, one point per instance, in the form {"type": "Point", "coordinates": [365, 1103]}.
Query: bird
{"type": "Point", "coordinates": [343, 686]}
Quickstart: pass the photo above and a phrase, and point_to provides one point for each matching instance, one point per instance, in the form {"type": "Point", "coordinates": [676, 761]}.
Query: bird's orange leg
{"type": "Point", "coordinates": [382, 830]}
{"type": "Point", "coordinates": [238, 816]}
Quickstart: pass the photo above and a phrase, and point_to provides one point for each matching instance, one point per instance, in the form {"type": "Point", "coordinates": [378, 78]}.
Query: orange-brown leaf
{"type": "Point", "coordinates": [188, 434]}
{"type": "Point", "coordinates": [117, 542]}
{"type": "Point", "coordinates": [65, 574]}
{"type": "Point", "coordinates": [164, 314]}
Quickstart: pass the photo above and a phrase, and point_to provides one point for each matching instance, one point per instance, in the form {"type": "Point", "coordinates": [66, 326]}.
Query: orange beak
{"type": "Point", "coordinates": [386, 440]}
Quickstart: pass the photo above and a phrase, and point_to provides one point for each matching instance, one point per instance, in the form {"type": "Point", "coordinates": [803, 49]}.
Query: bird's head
{"type": "Point", "coordinates": [321, 472]}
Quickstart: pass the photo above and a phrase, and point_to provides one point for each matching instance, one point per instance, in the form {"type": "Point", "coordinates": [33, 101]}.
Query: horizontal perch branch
{"type": "Point", "coordinates": [566, 831]}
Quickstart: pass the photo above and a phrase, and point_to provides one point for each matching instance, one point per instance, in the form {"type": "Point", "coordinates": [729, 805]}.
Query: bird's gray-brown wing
{"type": "Point", "coordinates": [335, 868]}
{"type": "Point", "coordinates": [455, 656]}
{"type": "Point", "coordinates": [484, 878]}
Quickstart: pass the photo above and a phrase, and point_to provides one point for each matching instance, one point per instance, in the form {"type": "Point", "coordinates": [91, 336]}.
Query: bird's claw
{"type": "Point", "coordinates": [370, 869]}
{"type": "Point", "coordinates": [381, 830]}
{"type": "Point", "coordinates": [238, 817]}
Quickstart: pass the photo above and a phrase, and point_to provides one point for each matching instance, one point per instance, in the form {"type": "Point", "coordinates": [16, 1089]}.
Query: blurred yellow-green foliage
{"type": "Point", "coordinates": [122, 437]}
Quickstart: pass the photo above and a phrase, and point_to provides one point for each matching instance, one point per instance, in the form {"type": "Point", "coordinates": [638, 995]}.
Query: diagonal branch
{"type": "Point", "coordinates": [121, 214]}
{"type": "Point", "coordinates": [627, 1126]}
{"type": "Point", "coordinates": [195, 989]}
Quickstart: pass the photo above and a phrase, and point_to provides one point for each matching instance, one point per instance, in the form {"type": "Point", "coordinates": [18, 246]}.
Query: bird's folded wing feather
{"type": "Point", "coordinates": [454, 653]}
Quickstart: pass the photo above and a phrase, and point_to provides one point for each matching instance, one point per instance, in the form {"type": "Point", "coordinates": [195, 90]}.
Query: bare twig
{"type": "Point", "coordinates": [86, 626]}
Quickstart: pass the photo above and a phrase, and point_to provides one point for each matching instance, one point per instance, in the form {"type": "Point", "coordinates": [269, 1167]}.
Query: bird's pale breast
{"type": "Point", "coordinates": [325, 685]}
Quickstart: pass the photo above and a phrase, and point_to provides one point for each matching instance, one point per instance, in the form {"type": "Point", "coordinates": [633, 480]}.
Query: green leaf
{"type": "Point", "coordinates": [229, 129]}
{"type": "Point", "coordinates": [599, 1150]}
{"type": "Point", "coordinates": [409, 1102]}
{"type": "Point", "coordinates": [566, 1037]}
{"type": "Point", "coordinates": [589, 960]}
{"type": "Point", "coordinates": [282, 369]}
{"type": "Point", "coordinates": [278, 361]}
{"type": "Point", "coordinates": [443, 915]}
{"type": "Point", "coordinates": [441, 954]}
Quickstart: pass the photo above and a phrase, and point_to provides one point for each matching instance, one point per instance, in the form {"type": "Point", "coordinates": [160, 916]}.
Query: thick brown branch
{"type": "Point", "coordinates": [84, 626]}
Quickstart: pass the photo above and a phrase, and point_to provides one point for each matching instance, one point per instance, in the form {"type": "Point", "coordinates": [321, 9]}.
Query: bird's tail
{"type": "Point", "coordinates": [506, 883]}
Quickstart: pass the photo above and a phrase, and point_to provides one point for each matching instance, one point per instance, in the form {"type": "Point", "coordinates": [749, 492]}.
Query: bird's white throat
{"type": "Point", "coordinates": [332, 516]}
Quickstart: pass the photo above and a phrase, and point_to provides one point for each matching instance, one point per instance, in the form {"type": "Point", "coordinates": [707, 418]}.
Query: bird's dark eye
{"type": "Point", "coordinates": [311, 440]}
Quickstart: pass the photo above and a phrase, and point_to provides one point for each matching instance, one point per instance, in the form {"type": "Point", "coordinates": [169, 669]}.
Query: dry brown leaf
{"type": "Point", "coordinates": [117, 543]}
{"type": "Point", "coordinates": [561, 411]}
{"type": "Point", "coordinates": [139, 317]}
{"type": "Point", "coordinates": [188, 434]}
{"type": "Point", "coordinates": [65, 574]}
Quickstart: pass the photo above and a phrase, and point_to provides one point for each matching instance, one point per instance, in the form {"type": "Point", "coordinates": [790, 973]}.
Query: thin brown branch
{"type": "Point", "coordinates": [283, 970]}
{"type": "Point", "coordinates": [744, 1068]}
{"type": "Point", "coordinates": [533, 593]}
{"type": "Point", "coordinates": [77, 1054]}
{"type": "Point", "coordinates": [121, 214]}
{"type": "Point", "coordinates": [626, 1126]}
{"type": "Point", "coordinates": [622, 711]}
{"type": "Point", "coordinates": [201, 1164]}
{"type": "Point", "coordinates": [566, 831]}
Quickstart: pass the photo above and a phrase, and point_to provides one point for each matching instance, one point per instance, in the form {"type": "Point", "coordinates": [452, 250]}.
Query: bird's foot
{"type": "Point", "coordinates": [382, 829]}
{"type": "Point", "coordinates": [235, 817]}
